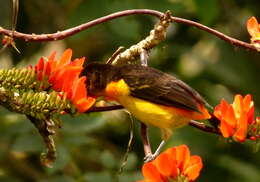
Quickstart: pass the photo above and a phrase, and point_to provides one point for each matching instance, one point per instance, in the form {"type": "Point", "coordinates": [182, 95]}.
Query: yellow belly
{"type": "Point", "coordinates": [152, 114]}
{"type": "Point", "coordinates": [163, 117]}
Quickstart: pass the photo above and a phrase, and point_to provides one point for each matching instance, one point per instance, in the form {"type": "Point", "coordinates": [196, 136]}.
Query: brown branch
{"type": "Point", "coordinates": [204, 127]}
{"type": "Point", "coordinates": [218, 34]}
{"type": "Point", "coordinates": [208, 129]}
{"type": "Point", "coordinates": [104, 108]}
{"type": "Point", "coordinates": [69, 32]}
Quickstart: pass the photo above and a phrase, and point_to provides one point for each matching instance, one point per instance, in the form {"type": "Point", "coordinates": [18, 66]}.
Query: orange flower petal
{"type": "Point", "coordinates": [235, 120]}
{"type": "Point", "coordinates": [51, 60]}
{"type": "Point", "coordinates": [52, 56]}
{"type": "Point", "coordinates": [39, 66]}
{"type": "Point", "coordinates": [79, 89]}
{"type": "Point", "coordinates": [65, 58]}
{"type": "Point", "coordinates": [224, 105]}
{"type": "Point", "coordinates": [63, 76]}
{"type": "Point", "coordinates": [166, 166]}
{"type": "Point", "coordinates": [78, 62]}
{"type": "Point", "coordinates": [226, 129]}
{"type": "Point", "coordinates": [182, 156]}
{"type": "Point", "coordinates": [68, 77]}
{"type": "Point", "coordinates": [230, 117]}
{"type": "Point", "coordinates": [84, 104]}
{"type": "Point", "coordinates": [250, 116]}
{"type": "Point", "coordinates": [56, 79]}
{"type": "Point", "coordinates": [221, 109]}
{"type": "Point", "coordinates": [253, 27]}
{"type": "Point", "coordinates": [241, 131]}
{"type": "Point", "coordinates": [171, 153]}
{"type": "Point", "coordinates": [48, 68]}
{"type": "Point", "coordinates": [247, 102]}
{"type": "Point", "coordinates": [150, 172]}
{"type": "Point", "coordinates": [238, 105]}
{"type": "Point", "coordinates": [193, 169]}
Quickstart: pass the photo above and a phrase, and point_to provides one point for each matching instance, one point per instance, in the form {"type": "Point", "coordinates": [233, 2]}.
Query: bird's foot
{"type": "Point", "coordinates": [150, 157]}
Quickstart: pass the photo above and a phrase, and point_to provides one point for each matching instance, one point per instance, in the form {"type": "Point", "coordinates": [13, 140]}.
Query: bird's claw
{"type": "Point", "coordinates": [150, 157]}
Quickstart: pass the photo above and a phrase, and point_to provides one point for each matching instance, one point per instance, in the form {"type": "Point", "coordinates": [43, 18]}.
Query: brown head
{"type": "Point", "coordinates": [98, 75]}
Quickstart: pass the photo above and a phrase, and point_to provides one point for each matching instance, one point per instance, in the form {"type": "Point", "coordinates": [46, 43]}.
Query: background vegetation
{"type": "Point", "coordinates": [90, 147]}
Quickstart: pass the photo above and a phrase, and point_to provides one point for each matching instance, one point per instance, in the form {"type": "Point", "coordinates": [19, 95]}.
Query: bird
{"type": "Point", "coordinates": [153, 97]}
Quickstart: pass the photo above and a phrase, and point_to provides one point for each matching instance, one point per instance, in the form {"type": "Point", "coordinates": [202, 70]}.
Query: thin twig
{"type": "Point", "coordinates": [208, 129]}
{"type": "Point", "coordinates": [69, 32]}
{"type": "Point", "coordinates": [15, 10]}
{"type": "Point", "coordinates": [104, 108]}
{"type": "Point", "coordinates": [204, 127]}
{"type": "Point", "coordinates": [220, 35]}
{"type": "Point", "coordinates": [129, 145]}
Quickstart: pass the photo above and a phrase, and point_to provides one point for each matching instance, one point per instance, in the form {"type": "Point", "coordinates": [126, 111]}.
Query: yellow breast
{"type": "Point", "coordinates": [147, 112]}
{"type": "Point", "coordinates": [152, 114]}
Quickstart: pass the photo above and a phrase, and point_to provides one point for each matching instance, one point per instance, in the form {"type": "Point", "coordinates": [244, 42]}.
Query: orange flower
{"type": "Point", "coordinates": [63, 76]}
{"type": "Point", "coordinates": [253, 29]}
{"type": "Point", "coordinates": [173, 164]}
{"type": "Point", "coordinates": [235, 118]}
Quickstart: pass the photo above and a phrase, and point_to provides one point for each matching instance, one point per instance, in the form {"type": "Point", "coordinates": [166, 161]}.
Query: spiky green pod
{"type": "Point", "coordinates": [42, 108]}
{"type": "Point", "coordinates": [18, 78]}
{"type": "Point", "coordinates": [22, 79]}
{"type": "Point", "coordinates": [41, 105]}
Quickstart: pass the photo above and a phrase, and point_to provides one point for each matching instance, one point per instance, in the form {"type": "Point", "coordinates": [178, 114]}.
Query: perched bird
{"type": "Point", "coordinates": [152, 96]}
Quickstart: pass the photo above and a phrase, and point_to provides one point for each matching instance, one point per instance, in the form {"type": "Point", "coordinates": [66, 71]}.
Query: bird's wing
{"type": "Point", "coordinates": [164, 89]}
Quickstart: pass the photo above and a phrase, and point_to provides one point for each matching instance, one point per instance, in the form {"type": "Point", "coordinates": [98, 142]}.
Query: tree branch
{"type": "Point", "coordinates": [104, 108]}
{"type": "Point", "coordinates": [69, 32]}
{"type": "Point", "coordinates": [218, 34]}
{"type": "Point", "coordinates": [204, 127]}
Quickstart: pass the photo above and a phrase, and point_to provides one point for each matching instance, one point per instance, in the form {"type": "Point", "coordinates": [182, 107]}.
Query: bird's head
{"type": "Point", "coordinates": [98, 75]}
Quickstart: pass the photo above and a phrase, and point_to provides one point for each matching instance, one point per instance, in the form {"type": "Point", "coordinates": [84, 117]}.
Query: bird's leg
{"type": "Point", "coordinates": [158, 150]}
{"type": "Point", "coordinates": [166, 133]}
{"type": "Point", "coordinates": [144, 57]}
{"type": "Point", "coordinates": [145, 140]}
{"type": "Point", "coordinates": [151, 157]}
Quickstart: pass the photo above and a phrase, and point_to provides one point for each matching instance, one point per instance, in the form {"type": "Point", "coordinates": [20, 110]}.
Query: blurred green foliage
{"type": "Point", "coordinates": [91, 147]}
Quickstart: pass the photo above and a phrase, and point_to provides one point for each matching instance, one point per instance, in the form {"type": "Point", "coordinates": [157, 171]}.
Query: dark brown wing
{"type": "Point", "coordinates": [161, 88]}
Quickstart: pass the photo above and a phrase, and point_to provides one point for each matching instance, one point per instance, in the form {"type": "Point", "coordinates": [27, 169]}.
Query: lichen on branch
{"type": "Point", "coordinates": [156, 35]}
